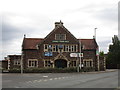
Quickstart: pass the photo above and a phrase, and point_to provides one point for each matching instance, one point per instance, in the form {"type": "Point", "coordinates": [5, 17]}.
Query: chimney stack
{"type": "Point", "coordinates": [58, 23]}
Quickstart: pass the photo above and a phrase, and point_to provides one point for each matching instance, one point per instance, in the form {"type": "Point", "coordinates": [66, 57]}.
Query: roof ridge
{"type": "Point", "coordinates": [34, 38]}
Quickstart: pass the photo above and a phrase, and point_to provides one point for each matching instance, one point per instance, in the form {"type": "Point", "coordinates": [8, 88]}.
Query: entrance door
{"type": "Point", "coordinates": [60, 63]}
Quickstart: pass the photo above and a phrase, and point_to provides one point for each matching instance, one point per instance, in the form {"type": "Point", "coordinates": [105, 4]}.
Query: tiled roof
{"type": "Point", "coordinates": [89, 43]}
{"type": "Point", "coordinates": [30, 43]}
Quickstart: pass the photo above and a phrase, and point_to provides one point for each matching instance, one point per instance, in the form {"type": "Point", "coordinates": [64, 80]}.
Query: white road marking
{"type": "Point", "coordinates": [59, 78]}
{"type": "Point", "coordinates": [29, 82]}
{"type": "Point", "coordinates": [45, 76]}
{"type": "Point", "coordinates": [16, 87]}
{"type": "Point", "coordinates": [50, 79]}
{"type": "Point", "coordinates": [63, 77]}
{"type": "Point", "coordinates": [55, 78]}
{"type": "Point", "coordinates": [45, 80]}
{"type": "Point", "coordinates": [39, 80]}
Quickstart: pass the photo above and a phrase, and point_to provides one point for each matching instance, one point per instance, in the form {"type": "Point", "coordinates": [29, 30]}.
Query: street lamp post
{"type": "Point", "coordinates": [79, 56]}
{"type": "Point", "coordinates": [22, 63]}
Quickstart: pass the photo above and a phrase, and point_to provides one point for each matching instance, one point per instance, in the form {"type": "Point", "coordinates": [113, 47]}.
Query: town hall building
{"type": "Point", "coordinates": [59, 49]}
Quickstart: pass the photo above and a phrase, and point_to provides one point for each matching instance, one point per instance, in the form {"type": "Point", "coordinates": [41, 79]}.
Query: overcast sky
{"type": "Point", "coordinates": [36, 19]}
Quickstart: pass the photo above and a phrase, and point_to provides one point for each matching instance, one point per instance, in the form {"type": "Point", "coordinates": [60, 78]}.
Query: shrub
{"type": "Point", "coordinates": [87, 69]}
{"type": "Point", "coordinates": [51, 70]}
{"type": "Point", "coordinates": [15, 70]}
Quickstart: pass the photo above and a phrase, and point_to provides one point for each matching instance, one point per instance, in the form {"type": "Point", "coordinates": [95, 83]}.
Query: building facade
{"type": "Point", "coordinates": [14, 61]}
{"type": "Point", "coordinates": [59, 49]}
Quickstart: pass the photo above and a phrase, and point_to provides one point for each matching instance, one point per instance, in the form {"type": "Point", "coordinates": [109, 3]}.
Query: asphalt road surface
{"type": "Point", "coordinates": [61, 80]}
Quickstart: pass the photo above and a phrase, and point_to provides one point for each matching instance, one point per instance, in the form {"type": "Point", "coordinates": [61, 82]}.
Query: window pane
{"type": "Point", "coordinates": [60, 36]}
{"type": "Point", "coordinates": [29, 63]}
{"type": "Point", "coordinates": [35, 63]}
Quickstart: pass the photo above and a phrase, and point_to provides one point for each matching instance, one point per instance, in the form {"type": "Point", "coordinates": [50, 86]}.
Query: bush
{"type": "Point", "coordinates": [52, 70]}
{"type": "Point", "coordinates": [87, 69]}
{"type": "Point", "coordinates": [15, 70]}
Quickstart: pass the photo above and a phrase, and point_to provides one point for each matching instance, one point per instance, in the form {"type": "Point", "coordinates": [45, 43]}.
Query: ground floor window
{"type": "Point", "coordinates": [47, 63]}
{"type": "Point", "coordinates": [32, 63]}
{"type": "Point", "coordinates": [73, 63]}
{"type": "Point", "coordinates": [88, 62]}
{"type": "Point", "coordinates": [17, 62]}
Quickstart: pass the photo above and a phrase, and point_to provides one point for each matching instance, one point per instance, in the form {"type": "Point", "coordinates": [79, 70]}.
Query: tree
{"type": "Point", "coordinates": [113, 58]}
{"type": "Point", "coordinates": [101, 53]}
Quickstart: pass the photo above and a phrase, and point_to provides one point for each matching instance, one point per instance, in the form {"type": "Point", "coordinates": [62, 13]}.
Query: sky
{"type": "Point", "coordinates": [36, 19]}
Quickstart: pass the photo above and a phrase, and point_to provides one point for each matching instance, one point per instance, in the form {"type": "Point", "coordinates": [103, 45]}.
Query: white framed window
{"type": "Point", "coordinates": [72, 48]}
{"type": "Point", "coordinates": [17, 62]}
{"type": "Point", "coordinates": [73, 63]}
{"type": "Point", "coordinates": [45, 47]}
{"type": "Point", "coordinates": [66, 48]}
{"type": "Point", "coordinates": [32, 63]}
{"type": "Point", "coordinates": [88, 62]}
{"type": "Point", "coordinates": [60, 36]}
{"type": "Point", "coordinates": [47, 63]}
{"type": "Point", "coordinates": [54, 48]}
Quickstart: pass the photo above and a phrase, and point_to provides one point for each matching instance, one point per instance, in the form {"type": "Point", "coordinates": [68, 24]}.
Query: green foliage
{"type": "Point", "coordinates": [51, 70]}
{"type": "Point", "coordinates": [113, 58]}
{"type": "Point", "coordinates": [45, 70]}
{"type": "Point", "coordinates": [15, 70]}
{"type": "Point", "coordinates": [87, 69]}
{"type": "Point", "coordinates": [101, 53]}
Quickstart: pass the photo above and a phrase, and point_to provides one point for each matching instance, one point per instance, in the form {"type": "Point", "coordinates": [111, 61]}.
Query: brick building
{"type": "Point", "coordinates": [58, 50]}
{"type": "Point", "coordinates": [14, 61]}
{"type": "Point", "coordinates": [4, 64]}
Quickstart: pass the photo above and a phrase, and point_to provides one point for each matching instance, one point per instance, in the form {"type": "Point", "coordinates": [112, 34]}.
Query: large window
{"type": "Point", "coordinates": [73, 63]}
{"type": "Point", "coordinates": [60, 36]}
{"type": "Point", "coordinates": [32, 63]}
{"type": "Point", "coordinates": [88, 62]}
{"type": "Point", "coordinates": [66, 48]}
{"type": "Point", "coordinates": [17, 62]}
{"type": "Point", "coordinates": [47, 63]}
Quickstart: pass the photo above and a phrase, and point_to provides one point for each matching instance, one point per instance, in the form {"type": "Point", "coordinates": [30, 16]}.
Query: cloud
{"type": "Point", "coordinates": [104, 45]}
{"type": "Point", "coordinates": [79, 17]}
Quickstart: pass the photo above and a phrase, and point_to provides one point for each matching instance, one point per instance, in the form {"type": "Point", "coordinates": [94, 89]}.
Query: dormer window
{"type": "Point", "coordinates": [60, 36]}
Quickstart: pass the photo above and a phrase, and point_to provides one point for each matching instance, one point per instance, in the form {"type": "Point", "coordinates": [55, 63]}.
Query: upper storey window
{"type": "Point", "coordinates": [60, 36]}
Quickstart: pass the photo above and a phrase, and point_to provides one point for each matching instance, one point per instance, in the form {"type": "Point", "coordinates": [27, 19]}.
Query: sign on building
{"type": "Point", "coordinates": [48, 54]}
{"type": "Point", "coordinates": [76, 54]}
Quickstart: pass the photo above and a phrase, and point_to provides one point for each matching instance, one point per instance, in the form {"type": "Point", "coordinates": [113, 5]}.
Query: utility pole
{"type": "Point", "coordinates": [80, 53]}
{"type": "Point", "coordinates": [79, 58]}
{"type": "Point", "coordinates": [97, 52]}
{"type": "Point", "coordinates": [22, 63]}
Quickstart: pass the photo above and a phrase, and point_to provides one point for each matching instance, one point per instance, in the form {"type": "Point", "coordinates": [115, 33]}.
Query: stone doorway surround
{"type": "Point", "coordinates": [61, 57]}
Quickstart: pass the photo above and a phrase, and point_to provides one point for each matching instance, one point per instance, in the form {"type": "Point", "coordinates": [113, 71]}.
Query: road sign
{"type": "Point", "coordinates": [73, 55]}
{"type": "Point", "coordinates": [76, 54]}
{"type": "Point", "coordinates": [80, 54]}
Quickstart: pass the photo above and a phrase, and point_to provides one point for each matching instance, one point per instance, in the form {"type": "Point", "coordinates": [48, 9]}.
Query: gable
{"type": "Point", "coordinates": [60, 30]}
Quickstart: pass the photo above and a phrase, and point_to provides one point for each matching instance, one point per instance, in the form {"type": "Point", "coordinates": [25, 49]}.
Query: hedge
{"type": "Point", "coordinates": [51, 70]}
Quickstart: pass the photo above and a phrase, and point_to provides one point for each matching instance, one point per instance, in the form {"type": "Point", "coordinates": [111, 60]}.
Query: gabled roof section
{"type": "Point", "coordinates": [89, 44]}
{"type": "Point", "coordinates": [31, 43]}
{"type": "Point", "coordinates": [57, 26]}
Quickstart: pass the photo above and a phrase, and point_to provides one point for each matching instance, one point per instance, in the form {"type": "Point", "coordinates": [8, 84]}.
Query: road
{"type": "Point", "coordinates": [61, 80]}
